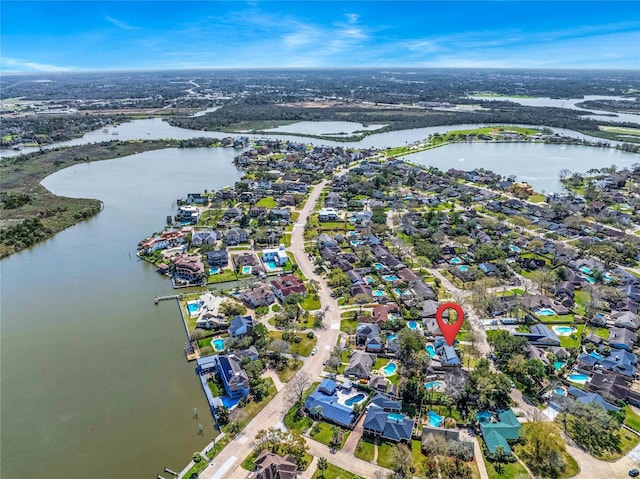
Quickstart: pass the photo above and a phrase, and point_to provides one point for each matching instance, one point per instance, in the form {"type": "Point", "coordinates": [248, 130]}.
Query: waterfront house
{"type": "Point", "coordinates": [323, 403]}
{"type": "Point", "coordinates": [360, 364]}
{"type": "Point", "coordinates": [241, 326]}
{"type": "Point", "coordinates": [236, 236]}
{"type": "Point", "coordinates": [277, 255]}
{"type": "Point", "coordinates": [188, 214]}
{"type": "Point", "coordinates": [260, 296]}
{"type": "Point", "coordinates": [204, 237]}
{"type": "Point", "coordinates": [196, 199]}
{"type": "Point", "coordinates": [390, 426]}
{"type": "Point", "coordinates": [233, 377]}
{"type": "Point", "coordinates": [189, 268]}
{"type": "Point", "coordinates": [269, 465]}
{"type": "Point", "coordinates": [218, 259]}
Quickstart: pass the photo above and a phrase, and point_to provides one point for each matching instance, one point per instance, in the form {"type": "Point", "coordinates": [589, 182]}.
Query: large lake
{"type": "Point", "coordinates": [94, 380]}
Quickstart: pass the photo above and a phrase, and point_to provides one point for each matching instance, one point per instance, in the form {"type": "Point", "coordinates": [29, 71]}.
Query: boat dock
{"type": "Point", "coordinates": [157, 299]}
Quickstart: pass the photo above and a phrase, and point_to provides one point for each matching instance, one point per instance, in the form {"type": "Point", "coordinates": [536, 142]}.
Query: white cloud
{"type": "Point", "coordinates": [119, 23]}
{"type": "Point", "coordinates": [17, 64]}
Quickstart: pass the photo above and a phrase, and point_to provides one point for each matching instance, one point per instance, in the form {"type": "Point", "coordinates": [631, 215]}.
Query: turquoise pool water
{"type": "Point", "coordinates": [412, 325]}
{"type": "Point", "coordinates": [395, 417]}
{"type": "Point", "coordinates": [586, 270]}
{"type": "Point", "coordinates": [558, 365]}
{"type": "Point", "coordinates": [578, 378]}
{"type": "Point", "coordinates": [218, 344]}
{"type": "Point", "coordinates": [392, 336]}
{"type": "Point", "coordinates": [369, 280]}
{"type": "Point", "coordinates": [435, 419]}
{"type": "Point", "coordinates": [193, 307]}
{"type": "Point", "coordinates": [563, 330]}
{"type": "Point", "coordinates": [515, 249]}
{"type": "Point", "coordinates": [463, 267]}
{"type": "Point", "coordinates": [390, 369]}
{"type": "Point", "coordinates": [355, 399]}
{"type": "Point", "coordinates": [545, 312]}
{"type": "Point", "coordinates": [455, 260]}
{"type": "Point", "coordinates": [246, 270]}
{"type": "Point", "coordinates": [588, 278]}
{"type": "Point", "coordinates": [431, 351]}
{"type": "Point", "coordinates": [355, 242]}
{"type": "Point", "coordinates": [593, 354]}
{"type": "Point", "coordinates": [378, 293]}
{"type": "Point", "coordinates": [434, 385]}
{"type": "Point", "coordinates": [560, 391]}
{"type": "Point", "coordinates": [378, 266]}
{"type": "Point", "coordinates": [390, 277]}
{"type": "Point", "coordinates": [214, 271]}
{"type": "Point", "coordinates": [484, 416]}
{"type": "Point", "coordinates": [398, 292]}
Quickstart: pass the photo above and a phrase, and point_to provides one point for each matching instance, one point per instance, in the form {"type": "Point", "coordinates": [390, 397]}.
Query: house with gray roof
{"type": "Point", "coordinates": [589, 398]}
{"type": "Point", "coordinates": [391, 426]}
{"type": "Point", "coordinates": [241, 326]}
{"type": "Point", "coordinates": [386, 403]}
{"type": "Point", "coordinates": [360, 364]}
{"type": "Point", "coordinates": [540, 335]}
{"type": "Point", "coordinates": [626, 319]}
{"type": "Point", "coordinates": [622, 338]}
{"type": "Point", "coordinates": [368, 335]}
{"type": "Point", "coordinates": [323, 403]}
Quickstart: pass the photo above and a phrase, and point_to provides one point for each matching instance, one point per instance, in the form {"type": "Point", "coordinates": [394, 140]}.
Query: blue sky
{"type": "Point", "coordinates": [121, 35]}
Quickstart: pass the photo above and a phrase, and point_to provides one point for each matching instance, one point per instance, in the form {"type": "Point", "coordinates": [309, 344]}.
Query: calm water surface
{"type": "Point", "coordinates": [94, 379]}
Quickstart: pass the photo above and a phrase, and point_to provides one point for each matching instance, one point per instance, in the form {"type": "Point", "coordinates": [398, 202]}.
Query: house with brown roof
{"type": "Point", "coordinates": [269, 465]}
{"type": "Point", "coordinates": [288, 285]}
{"type": "Point", "coordinates": [189, 268]}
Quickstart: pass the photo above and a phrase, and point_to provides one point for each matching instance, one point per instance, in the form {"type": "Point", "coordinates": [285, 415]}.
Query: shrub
{"type": "Point", "coordinates": [310, 335]}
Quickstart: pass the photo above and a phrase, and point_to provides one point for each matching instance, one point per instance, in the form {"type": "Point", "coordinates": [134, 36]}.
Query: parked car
{"type": "Point", "coordinates": [314, 351]}
{"type": "Point", "coordinates": [634, 473]}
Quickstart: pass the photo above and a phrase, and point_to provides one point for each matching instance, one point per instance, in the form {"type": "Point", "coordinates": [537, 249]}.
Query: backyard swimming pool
{"type": "Point", "coordinates": [578, 378]}
{"type": "Point", "coordinates": [586, 270]}
{"type": "Point", "coordinates": [588, 278]}
{"type": "Point", "coordinates": [390, 277]}
{"type": "Point", "coordinates": [593, 354]}
{"type": "Point", "coordinates": [369, 280]}
{"type": "Point", "coordinates": [354, 399]}
{"type": "Point", "coordinates": [435, 419]}
{"type": "Point", "coordinates": [390, 369]}
{"type": "Point", "coordinates": [412, 325]}
{"type": "Point", "coordinates": [218, 344]}
{"type": "Point", "coordinates": [378, 293]}
{"type": "Point", "coordinates": [455, 260]}
{"type": "Point", "coordinates": [378, 266]}
{"type": "Point", "coordinates": [484, 416]}
{"type": "Point", "coordinates": [434, 385]}
{"type": "Point", "coordinates": [560, 391]}
{"type": "Point", "coordinates": [193, 307]}
{"type": "Point", "coordinates": [271, 265]}
{"type": "Point", "coordinates": [558, 365]}
{"type": "Point", "coordinates": [515, 249]}
{"type": "Point", "coordinates": [463, 267]}
{"type": "Point", "coordinates": [213, 271]}
{"type": "Point", "coordinates": [545, 312]}
{"type": "Point", "coordinates": [398, 292]}
{"type": "Point", "coordinates": [431, 351]}
{"type": "Point", "coordinates": [563, 330]}
{"type": "Point", "coordinates": [392, 336]}
{"type": "Point", "coordinates": [395, 417]}
{"type": "Point", "coordinates": [246, 270]}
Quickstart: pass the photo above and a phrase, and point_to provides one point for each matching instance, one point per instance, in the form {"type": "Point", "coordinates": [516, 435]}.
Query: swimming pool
{"type": "Point", "coordinates": [431, 351]}
{"type": "Point", "coordinates": [369, 280]}
{"type": "Point", "coordinates": [395, 417]}
{"type": "Point", "coordinates": [435, 419]}
{"type": "Point", "coordinates": [378, 293]}
{"type": "Point", "coordinates": [545, 312]}
{"type": "Point", "coordinates": [193, 307]}
{"type": "Point", "coordinates": [218, 344]}
{"type": "Point", "coordinates": [390, 277]}
{"type": "Point", "coordinates": [378, 266]}
{"type": "Point", "coordinates": [412, 325]}
{"type": "Point", "coordinates": [271, 265]}
{"type": "Point", "coordinates": [563, 330]}
{"type": "Point", "coordinates": [593, 354]}
{"type": "Point", "coordinates": [390, 369]}
{"type": "Point", "coordinates": [392, 336]}
{"type": "Point", "coordinates": [515, 249]}
{"type": "Point", "coordinates": [586, 270]}
{"type": "Point", "coordinates": [246, 269]}
{"type": "Point", "coordinates": [463, 267]}
{"type": "Point", "coordinates": [588, 278]}
{"type": "Point", "coordinates": [578, 378]}
{"type": "Point", "coordinates": [558, 365]}
{"type": "Point", "coordinates": [398, 292]}
{"type": "Point", "coordinates": [455, 260]}
{"type": "Point", "coordinates": [560, 391]}
{"type": "Point", "coordinates": [355, 242]}
{"type": "Point", "coordinates": [434, 385]}
{"type": "Point", "coordinates": [214, 271]}
{"type": "Point", "coordinates": [354, 399]}
{"type": "Point", "coordinates": [484, 416]}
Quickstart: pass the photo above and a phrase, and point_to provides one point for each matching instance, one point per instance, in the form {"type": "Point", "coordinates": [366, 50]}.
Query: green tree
{"type": "Point", "coordinates": [543, 445]}
{"type": "Point", "coordinates": [323, 464]}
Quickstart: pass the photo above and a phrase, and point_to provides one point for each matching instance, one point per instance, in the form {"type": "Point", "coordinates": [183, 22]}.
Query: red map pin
{"type": "Point", "coordinates": [449, 331]}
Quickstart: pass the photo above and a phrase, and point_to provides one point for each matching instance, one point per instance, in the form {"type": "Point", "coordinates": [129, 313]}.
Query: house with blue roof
{"type": "Point", "coordinates": [387, 425]}
{"type": "Point", "coordinates": [498, 433]}
{"type": "Point", "coordinates": [619, 361]}
{"type": "Point", "coordinates": [234, 378]}
{"type": "Point", "coordinates": [385, 403]}
{"type": "Point", "coordinates": [540, 335]}
{"type": "Point", "coordinates": [241, 326]}
{"type": "Point", "coordinates": [323, 403]}
{"type": "Point", "coordinates": [447, 355]}
{"type": "Point", "coordinates": [589, 398]}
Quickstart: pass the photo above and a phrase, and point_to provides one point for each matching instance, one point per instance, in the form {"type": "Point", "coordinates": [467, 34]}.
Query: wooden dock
{"type": "Point", "coordinates": [165, 298]}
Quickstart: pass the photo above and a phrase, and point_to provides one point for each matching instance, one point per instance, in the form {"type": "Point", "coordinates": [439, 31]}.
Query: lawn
{"type": "Point", "coordinates": [248, 412]}
{"type": "Point", "coordinates": [292, 368]}
{"type": "Point", "coordinates": [304, 423]}
{"type": "Point", "coordinates": [349, 325]}
{"type": "Point", "coordinates": [631, 418]}
{"type": "Point", "coordinates": [537, 198]}
{"type": "Point", "coordinates": [325, 432]}
{"type": "Point", "coordinates": [267, 202]}
{"type": "Point", "coordinates": [365, 449]}
{"type": "Point", "coordinates": [384, 455]}
{"type": "Point", "coordinates": [303, 348]}
{"type": "Point", "coordinates": [221, 277]}
{"type": "Point", "coordinates": [311, 302]}
{"type": "Point", "coordinates": [334, 472]}
{"type": "Point", "coordinates": [509, 470]}
{"type": "Point", "coordinates": [628, 441]}
{"type": "Point", "coordinates": [380, 363]}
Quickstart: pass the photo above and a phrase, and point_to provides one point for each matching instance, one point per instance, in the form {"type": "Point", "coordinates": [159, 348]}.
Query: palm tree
{"type": "Point", "coordinates": [323, 464]}
{"type": "Point", "coordinates": [499, 454]}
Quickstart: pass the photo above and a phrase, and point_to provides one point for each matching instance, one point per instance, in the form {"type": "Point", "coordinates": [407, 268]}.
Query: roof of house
{"type": "Point", "coordinates": [588, 398]}
{"type": "Point", "coordinates": [272, 466]}
{"type": "Point", "coordinates": [388, 426]}
{"type": "Point", "coordinates": [384, 402]}
{"type": "Point", "coordinates": [360, 364]}
{"type": "Point", "coordinates": [289, 284]}
{"type": "Point", "coordinates": [240, 322]}
{"type": "Point", "coordinates": [331, 409]}
{"type": "Point", "coordinates": [496, 433]}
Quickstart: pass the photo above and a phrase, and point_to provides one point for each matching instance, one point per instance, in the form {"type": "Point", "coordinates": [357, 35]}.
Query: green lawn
{"type": "Point", "coordinates": [292, 368]}
{"type": "Point", "coordinates": [311, 302]}
{"type": "Point", "coordinates": [628, 441]}
{"type": "Point", "coordinates": [380, 363]}
{"type": "Point", "coordinates": [537, 198]}
{"type": "Point", "coordinates": [303, 348]}
{"type": "Point", "coordinates": [365, 449]}
{"type": "Point", "coordinates": [302, 424]}
{"type": "Point", "coordinates": [349, 325]}
{"type": "Point", "coordinates": [248, 412]}
{"type": "Point", "coordinates": [509, 470]}
{"type": "Point", "coordinates": [334, 472]}
{"type": "Point", "coordinates": [631, 419]}
{"type": "Point", "coordinates": [221, 277]}
{"type": "Point", "coordinates": [324, 434]}
{"type": "Point", "coordinates": [267, 202]}
{"type": "Point", "coordinates": [384, 455]}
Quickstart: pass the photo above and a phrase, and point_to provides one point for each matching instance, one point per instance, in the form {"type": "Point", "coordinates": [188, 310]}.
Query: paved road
{"type": "Point", "coordinates": [273, 412]}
